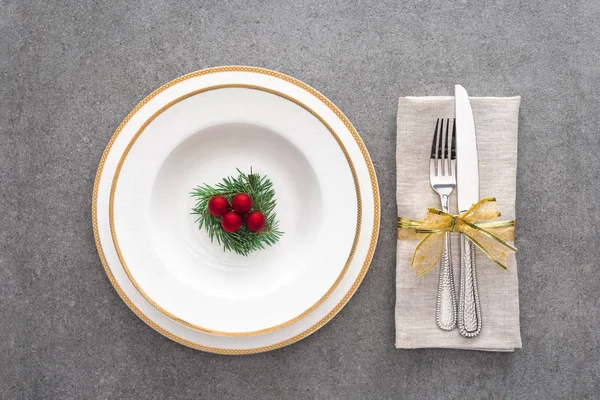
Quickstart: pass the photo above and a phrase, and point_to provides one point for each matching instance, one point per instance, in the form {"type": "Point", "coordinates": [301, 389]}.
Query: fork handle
{"type": "Point", "coordinates": [445, 311]}
{"type": "Point", "coordinates": [469, 309]}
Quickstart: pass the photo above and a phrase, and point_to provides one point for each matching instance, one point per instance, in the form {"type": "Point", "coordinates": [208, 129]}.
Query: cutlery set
{"type": "Point", "coordinates": [453, 165]}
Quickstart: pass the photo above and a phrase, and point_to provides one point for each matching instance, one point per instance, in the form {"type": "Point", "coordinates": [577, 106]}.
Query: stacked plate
{"type": "Point", "coordinates": [198, 129]}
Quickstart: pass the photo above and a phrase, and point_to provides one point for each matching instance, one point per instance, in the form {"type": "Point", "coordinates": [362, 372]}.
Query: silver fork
{"type": "Point", "coordinates": [442, 176]}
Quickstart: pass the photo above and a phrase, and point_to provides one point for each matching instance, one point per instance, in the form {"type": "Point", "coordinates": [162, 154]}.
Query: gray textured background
{"type": "Point", "coordinates": [69, 73]}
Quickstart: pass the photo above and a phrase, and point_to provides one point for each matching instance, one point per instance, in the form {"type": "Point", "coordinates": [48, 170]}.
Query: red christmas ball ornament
{"type": "Point", "coordinates": [218, 205]}
{"type": "Point", "coordinates": [255, 221]}
{"type": "Point", "coordinates": [231, 221]}
{"type": "Point", "coordinates": [241, 203]}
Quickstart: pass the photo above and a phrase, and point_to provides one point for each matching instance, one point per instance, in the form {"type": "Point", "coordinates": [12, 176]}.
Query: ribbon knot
{"type": "Point", "coordinates": [490, 237]}
{"type": "Point", "coordinates": [453, 226]}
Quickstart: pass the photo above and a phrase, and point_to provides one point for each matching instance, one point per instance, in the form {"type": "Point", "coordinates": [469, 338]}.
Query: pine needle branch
{"type": "Point", "coordinates": [243, 242]}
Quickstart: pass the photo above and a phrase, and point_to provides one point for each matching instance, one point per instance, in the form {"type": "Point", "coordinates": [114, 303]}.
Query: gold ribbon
{"type": "Point", "coordinates": [490, 237]}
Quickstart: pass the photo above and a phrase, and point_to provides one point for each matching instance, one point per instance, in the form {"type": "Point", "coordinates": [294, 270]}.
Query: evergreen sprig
{"type": "Point", "coordinates": [243, 242]}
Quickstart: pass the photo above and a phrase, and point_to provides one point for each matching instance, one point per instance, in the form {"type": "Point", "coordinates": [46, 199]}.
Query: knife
{"type": "Point", "coordinates": [467, 180]}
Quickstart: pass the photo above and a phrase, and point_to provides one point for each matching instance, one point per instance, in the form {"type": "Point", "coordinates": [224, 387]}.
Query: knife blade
{"type": "Point", "coordinates": [467, 176]}
{"type": "Point", "coordinates": [467, 181]}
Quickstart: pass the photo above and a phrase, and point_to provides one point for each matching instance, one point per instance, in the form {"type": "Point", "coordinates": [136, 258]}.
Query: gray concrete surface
{"type": "Point", "coordinates": [69, 73]}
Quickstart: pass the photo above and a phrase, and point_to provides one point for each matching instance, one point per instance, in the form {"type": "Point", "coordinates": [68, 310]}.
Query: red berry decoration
{"type": "Point", "coordinates": [218, 205]}
{"type": "Point", "coordinates": [255, 221]}
{"type": "Point", "coordinates": [241, 203]}
{"type": "Point", "coordinates": [231, 222]}
{"type": "Point", "coordinates": [238, 213]}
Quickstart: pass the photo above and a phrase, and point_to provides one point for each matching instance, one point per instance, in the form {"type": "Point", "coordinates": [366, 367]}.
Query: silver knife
{"type": "Point", "coordinates": [467, 179]}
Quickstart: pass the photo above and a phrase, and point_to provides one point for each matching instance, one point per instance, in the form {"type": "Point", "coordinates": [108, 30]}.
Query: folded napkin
{"type": "Point", "coordinates": [496, 125]}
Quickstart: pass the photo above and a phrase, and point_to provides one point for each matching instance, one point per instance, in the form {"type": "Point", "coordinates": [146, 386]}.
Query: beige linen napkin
{"type": "Point", "coordinates": [496, 124]}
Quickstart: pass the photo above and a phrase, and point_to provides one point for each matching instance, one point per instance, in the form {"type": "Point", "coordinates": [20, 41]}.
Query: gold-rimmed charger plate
{"type": "Point", "coordinates": [364, 249]}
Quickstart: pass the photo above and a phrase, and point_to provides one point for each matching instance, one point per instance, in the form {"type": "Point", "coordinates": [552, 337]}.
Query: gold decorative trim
{"type": "Point", "coordinates": [372, 244]}
{"type": "Point", "coordinates": [122, 258]}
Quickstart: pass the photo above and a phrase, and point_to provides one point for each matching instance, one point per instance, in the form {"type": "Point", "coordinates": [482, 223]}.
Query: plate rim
{"type": "Point", "coordinates": [142, 129]}
{"type": "Point", "coordinates": [374, 233]}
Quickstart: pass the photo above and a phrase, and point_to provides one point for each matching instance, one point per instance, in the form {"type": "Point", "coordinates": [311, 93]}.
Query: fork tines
{"type": "Point", "coordinates": [439, 148]}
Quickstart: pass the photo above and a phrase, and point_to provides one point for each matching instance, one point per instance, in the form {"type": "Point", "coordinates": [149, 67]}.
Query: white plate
{"type": "Point", "coordinates": [355, 270]}
{"type": "Point", "coordinates": [200, 138]}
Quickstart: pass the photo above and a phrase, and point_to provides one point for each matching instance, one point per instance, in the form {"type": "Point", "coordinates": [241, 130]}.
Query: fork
{"type": "Point", "coordinates": [442, 176]}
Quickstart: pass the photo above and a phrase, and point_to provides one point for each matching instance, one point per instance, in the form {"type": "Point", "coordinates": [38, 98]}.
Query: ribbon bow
{"type": "Point", "coordinates": [490, 237]}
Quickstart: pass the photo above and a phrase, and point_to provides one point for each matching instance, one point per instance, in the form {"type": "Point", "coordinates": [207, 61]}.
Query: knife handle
{"type": "Point", "coordinates": [469, 309]}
